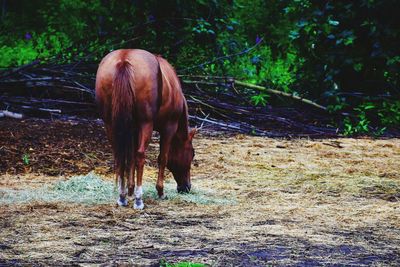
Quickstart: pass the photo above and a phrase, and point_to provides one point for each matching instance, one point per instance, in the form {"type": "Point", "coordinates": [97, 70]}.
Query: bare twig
{"type": "Point", "coordinates": [15, 70]}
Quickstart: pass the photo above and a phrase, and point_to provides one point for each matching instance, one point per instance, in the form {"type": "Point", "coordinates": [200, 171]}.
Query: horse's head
{"type": "Point", "coordinates": [180, 159]}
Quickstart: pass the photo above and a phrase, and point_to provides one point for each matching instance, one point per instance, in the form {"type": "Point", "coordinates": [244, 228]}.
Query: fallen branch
{"type": "Point", "coordinates": [15, 70]}
{"type": "Point", "coordinates": [43, 109]}
{"type": "Point", "coordinates": [64, 91]}
{"type": "Point", "coordinates": [262, 89]}
{"type": "Point", "coordinates": [10, 114]}
{"type": "Point", "coordinates": [276, 92]}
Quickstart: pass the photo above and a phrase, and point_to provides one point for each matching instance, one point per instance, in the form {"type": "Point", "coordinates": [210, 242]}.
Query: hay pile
{"type": "Point", "coordinates": [93, 189]}
{"type": "Point", "coordinates": [87, 189]}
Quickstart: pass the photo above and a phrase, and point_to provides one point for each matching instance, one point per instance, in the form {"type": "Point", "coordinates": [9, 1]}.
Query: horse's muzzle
{"type": "Point", "coordinates": [184, 188]}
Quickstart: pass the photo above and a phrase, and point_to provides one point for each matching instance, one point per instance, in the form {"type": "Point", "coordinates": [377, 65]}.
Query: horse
{"type": "Point", "coordinates": [138, 92]}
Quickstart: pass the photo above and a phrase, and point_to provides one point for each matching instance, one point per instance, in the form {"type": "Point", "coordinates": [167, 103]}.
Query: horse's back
{"type": "Point", "coordinates": [146, 80]}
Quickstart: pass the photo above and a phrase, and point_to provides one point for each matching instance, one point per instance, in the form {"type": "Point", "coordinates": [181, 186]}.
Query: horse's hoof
{"type": "Point", "coordinates": [162, 197]}
{"type": "Point", "coordinates": [122, 202]}
{"type": "Point", "coordinates": [130, 197]}
{"type": "Point", "coordinates": [138, 205]}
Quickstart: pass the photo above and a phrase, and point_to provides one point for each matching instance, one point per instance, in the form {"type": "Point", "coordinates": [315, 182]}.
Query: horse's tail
{"type": "Point", "coordinates": [123, 101]}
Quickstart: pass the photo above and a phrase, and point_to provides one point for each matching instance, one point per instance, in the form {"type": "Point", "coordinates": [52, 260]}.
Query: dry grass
{"type": "Point", "coordinates": [256, 201]}
{"type": "Point", "coordinates": [93, 189]}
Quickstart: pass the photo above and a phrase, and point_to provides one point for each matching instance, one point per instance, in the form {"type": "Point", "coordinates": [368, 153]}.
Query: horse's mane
{"type": "Point", "coordinates": [170, 79]}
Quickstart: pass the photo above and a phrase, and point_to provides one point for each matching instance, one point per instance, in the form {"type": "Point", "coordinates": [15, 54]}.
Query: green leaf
{"type": "Point", "coordinates": [333, 22]}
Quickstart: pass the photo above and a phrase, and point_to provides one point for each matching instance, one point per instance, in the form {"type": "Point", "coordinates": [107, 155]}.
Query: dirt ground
{"type": "Point", "coordinates": [301, 202]}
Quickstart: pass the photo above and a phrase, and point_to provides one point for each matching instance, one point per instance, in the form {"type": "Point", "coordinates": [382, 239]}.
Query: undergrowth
{"type": "Point", "coordinates": [164, 263]}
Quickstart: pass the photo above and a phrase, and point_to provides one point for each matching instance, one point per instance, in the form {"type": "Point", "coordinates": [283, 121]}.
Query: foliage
{"type": "Point", "coordinates": [389, 113]}
{"type": "Point", "coordinates": [259, 67]}
{"type": "Point", "coordinates": [25, 159]}
{"type": "Point", "coordinates": [325, 50]}
{"type": "Point", "coordinates": [164, 263]}
{"type": "Point", "coordinates": [386, 114]}
{"type": "Point", "coordinates": [43, 46]}
{"type": "Point", "coordinates": [260, 99]}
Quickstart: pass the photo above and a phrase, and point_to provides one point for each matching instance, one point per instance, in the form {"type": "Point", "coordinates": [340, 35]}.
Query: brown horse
{"type": "Point", "coordinates": [138, 92]}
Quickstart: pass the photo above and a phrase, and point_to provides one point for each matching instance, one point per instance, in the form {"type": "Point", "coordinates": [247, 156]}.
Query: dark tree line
{"type": "Point", "coordinates": [342, 55]}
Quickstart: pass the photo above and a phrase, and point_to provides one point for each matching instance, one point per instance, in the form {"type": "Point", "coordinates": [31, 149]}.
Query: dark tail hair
{"type": "Point", "coordinates": [123, 101]}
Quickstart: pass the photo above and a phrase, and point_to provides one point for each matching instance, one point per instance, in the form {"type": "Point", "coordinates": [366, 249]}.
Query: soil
{"type": "Point", "coordinates": [297, 202]}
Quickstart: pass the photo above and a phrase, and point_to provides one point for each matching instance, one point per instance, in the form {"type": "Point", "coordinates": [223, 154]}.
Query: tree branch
{"type": "Point", "coordinates": [276, 92]}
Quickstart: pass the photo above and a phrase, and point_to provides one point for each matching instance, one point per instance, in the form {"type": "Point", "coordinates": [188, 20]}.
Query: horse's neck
{"type": "Point", "coordinates": [183, 124]}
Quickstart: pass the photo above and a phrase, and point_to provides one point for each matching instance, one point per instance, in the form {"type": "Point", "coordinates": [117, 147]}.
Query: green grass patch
{"type": "Point", "coordinates": [181, 264]}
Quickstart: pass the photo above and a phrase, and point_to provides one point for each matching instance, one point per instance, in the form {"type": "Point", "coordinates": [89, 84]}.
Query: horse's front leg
{"type": "Point", "coordinates": [165, 144]}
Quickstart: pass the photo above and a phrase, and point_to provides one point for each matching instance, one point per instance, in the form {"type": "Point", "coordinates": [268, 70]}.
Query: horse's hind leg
{"type": "Point", "coordinates": [131, 176]}
{"type": "Point", "coordinates": [144, 138]}
{"type": "Point", "coordinates": [122, 201]}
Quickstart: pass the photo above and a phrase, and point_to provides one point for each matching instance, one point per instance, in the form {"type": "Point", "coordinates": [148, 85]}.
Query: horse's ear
{"type": "Point", "coordinates": [192, 133]}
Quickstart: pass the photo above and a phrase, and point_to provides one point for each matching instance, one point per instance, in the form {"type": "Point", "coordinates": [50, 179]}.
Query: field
{"type": "Point", "coordinates": [256, 201]}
